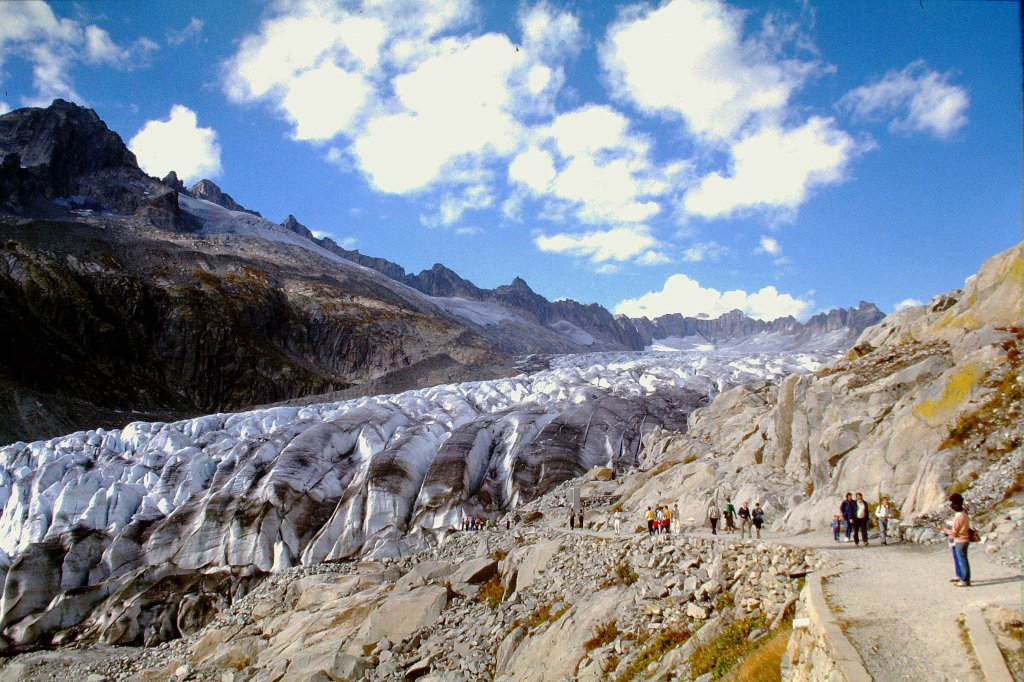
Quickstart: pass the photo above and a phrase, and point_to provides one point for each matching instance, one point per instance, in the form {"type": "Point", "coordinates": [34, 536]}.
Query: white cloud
{"type": "Point", "coordinates": [774, 169]}
{"type": "Point", "coordinates": [630, 243]}
{"type": "Point", "coordinates": [687, 297]}
{"type": "Point", "coordinates": [177, 144]}
{"type": "Point", "coordinates": [907, 303]}
{"type": "Point", "coordinates": [420, 106]}
{"type": "Point", "coordinates": [917, 98]}
{"type": "Point", "coordinates": [52, 46]}
{"type": "Point", "coordinates": [769, 245]}
{"type": "Point", "coordinates": [588, 162]}
{"type": "Point", "coordinates": [701, 251]}
{"type": "Point", "coordinates": [689, 59]}
{"type": "Point", "coordinates": [193, 30]}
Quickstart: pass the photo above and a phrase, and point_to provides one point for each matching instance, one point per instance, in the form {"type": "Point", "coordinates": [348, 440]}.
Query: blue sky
{"type": "Point", "coordinates": [685, 156]}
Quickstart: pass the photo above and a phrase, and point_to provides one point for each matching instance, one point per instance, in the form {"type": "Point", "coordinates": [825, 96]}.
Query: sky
{"type": "Point", "coordinates": [689, 156]}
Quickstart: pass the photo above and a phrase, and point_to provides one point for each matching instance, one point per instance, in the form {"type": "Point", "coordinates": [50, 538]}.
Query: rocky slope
{"type": "Point", "coordinates": [529, 603]}
{"type": "Point", "coordinates": [927, 401]}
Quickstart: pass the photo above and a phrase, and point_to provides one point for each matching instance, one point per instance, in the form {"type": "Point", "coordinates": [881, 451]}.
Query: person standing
{"type": "Point", "coordinates": [649, 515]}
{"type": "Point", "coordinates": [837, 522]}
{"type": "Point", "coordinates": [713, 515]}
{"type": "Point", "coordinates": [572, 519]}
{"type": "Point", "coordinates": [618, 520]}
{"type": "Point", "coordinates": [848, 508]}
{"type": "Point", "coordinates": [744, 514]}
{"type": "Point", "coordinates": [668, 520]}
{"type": "Point", "coordinates": [883, 513]}
{"type": "Point", "coordinates": [659, 519]}
{"type": "Point", "coordinates": [729, 513]}
{"type": "Point", "coordinates": [579, 519]}
{"type": "Point", "coordinates": [958, 530]}
{"type": "Point", "coordinates": [757, 517]}
{"type": "Point", "coordinates": [861, 514]}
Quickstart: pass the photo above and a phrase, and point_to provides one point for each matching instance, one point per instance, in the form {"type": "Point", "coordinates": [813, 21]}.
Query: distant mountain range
{"type": "Point", "coordinates": [125, 297]}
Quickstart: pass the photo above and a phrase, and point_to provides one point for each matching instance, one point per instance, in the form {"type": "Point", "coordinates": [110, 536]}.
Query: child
{"type": "Point", "coordinates": [836, 525]}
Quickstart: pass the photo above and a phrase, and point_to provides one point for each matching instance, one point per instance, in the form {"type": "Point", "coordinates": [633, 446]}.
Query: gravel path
{"type": "Point", "coordinates": [897, 607]}
{"type": "Point", "coordinates": [900, 611]}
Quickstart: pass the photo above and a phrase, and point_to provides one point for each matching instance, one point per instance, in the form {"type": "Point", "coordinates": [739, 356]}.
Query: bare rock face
{"type": "Point", "coordinates": [209, 191]}
{"type": "Point", "coordinates": [66, 152]}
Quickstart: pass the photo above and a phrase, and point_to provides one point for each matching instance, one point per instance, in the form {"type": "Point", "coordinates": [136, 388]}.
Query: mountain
{"type": "Point", "coordinates": [125, 298]}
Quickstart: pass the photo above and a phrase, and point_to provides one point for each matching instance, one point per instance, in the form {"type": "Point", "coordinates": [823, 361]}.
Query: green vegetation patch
{"type": "Point", "coordinates": [659, 645]}
{"type": "Point", "coordinates": [720, 654]}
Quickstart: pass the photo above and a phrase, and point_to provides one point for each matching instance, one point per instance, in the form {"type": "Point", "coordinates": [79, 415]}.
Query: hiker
{"type": "Point", "coordinates": [649, 515]}
{"type": "Point", "coordinates": [837, 522]}
{"type": "Point", "coordinates": [883, 513]}
{"type": "Point", "coordinates": [860, 520]}
{"type": "Point", "coordinates": [744, 514]}
{"type": "Point", "coordinates": [848, 508]}
{"type": "Point", "coordinates": [618, 520]}
{"type": "Point", "coordinates": [659, 519]}
{"type": "Point", "coordinates": [730, 511]}
{"type": "Point", "coordinates": [668, 520]}
{"type": "Point", "coordinates": [757, 516]}
{"type": "Point", "coordinates": [958, 530]}
{"type": "Point", "coordinates": [579, 519]}
{"type": "Point", "coordinates": [572, 519]}
{"type": "Point", "coordinates": [675, 514]}
{"type": "Point", "coordinates": [713, 515]}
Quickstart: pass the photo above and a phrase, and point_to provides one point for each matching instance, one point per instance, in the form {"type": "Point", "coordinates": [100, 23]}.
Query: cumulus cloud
{"type": "Point", "coordinates": [711, 251]}
{"type": "Point", "coordinates": [718, 81]}
{"type": "Point", "coordinates": [774, 170]}
{"type": "Point", "coordinates": [605, 248]}
{"type": "Point", "coordinates": [907, 303]}
{"type": "Point", "coordinates": [420, 106]}
{"type": "Point", "coordinates": [916, 98]}
{"type": "Point", "coordinates": [179, 144]}
{"type": "Point", "coordinates": [52, 45]}
{"type": "Point", "coordinates": [686, 296]}
{"type": "Point", "coordinates": [588, 162]}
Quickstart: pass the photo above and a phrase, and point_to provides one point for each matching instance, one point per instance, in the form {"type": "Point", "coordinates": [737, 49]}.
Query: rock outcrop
{"type": "Point", "coordinates": [64, 157]}
{"type": "Point", "coordinates": [926, 400]}
{"type": "Point", "coordinates": [209, 191]}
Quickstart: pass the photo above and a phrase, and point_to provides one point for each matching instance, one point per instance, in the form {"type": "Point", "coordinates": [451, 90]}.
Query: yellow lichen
{"type": "Point", "coordinates": [954, 393]}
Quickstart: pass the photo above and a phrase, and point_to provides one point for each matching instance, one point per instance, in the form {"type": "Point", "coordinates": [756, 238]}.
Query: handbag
{"type": "Point", "coordinates": [975, 536]}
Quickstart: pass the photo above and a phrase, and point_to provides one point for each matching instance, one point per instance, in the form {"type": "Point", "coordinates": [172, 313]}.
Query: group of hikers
{"type": "Point", "coordinates": [659, 519]}
{"type": "Point", "coordinates": [750, 520]}
{"type": "Point", "coordinates": [854, 515]}
{"type": "Point", "coordinates": [476, 523]}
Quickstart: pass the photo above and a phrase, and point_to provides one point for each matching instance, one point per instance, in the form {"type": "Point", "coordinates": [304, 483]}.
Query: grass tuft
{"type": "Point", "coordinates": [660, 644]}
{"type": "Point", "coordinates": [720, 654]}
{"type": "Point", "coordinates": [603, 634]}
{"type": "Point", "coordinates": [764, 664]}
{"type": "Point", "coordinates": [491, 592]}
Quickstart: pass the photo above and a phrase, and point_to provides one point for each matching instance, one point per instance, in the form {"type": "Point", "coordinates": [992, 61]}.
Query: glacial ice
{"type": "Point", "coordinates": [273, 487]}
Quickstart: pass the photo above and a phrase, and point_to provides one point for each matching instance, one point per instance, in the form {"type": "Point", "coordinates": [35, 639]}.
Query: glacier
{"type": "Point", "coordinates": [94, 512]}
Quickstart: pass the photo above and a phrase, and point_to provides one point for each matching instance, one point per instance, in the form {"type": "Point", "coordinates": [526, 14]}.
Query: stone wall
{"type": "Point", "coordinates": [818, 650]}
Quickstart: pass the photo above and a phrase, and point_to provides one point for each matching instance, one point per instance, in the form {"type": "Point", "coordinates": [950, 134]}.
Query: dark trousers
{"type": "Point", "coordinates": [860, 526]}
{"type": "Point", "coordinates": [572, 522]}
{"type": "Point", "coordinates": [650, 527]}
{"type": "Point", "coordinates": [714, 526]}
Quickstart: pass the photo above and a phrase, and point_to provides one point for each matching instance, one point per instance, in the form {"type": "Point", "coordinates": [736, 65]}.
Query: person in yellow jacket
{"type": "Point", "coordinates": [650, 521]}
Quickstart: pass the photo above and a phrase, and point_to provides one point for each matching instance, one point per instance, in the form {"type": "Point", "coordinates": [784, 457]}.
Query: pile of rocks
{"type": "Point", "coordinates": [521, 604]}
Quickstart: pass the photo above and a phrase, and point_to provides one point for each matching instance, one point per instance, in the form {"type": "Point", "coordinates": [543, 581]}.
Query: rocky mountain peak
{"type": "Point", "coordinates": [292, 224]}
{"type": "Point", "coordinates": [66, 150]}
{"type": "Point", "coordinates": [208, 190]}
{"type": "Point", "coordinates": [172, 181]}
